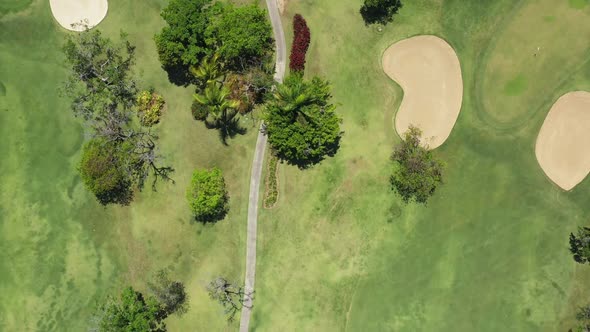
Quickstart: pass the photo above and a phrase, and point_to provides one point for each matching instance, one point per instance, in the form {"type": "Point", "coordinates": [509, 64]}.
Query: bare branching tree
{"type": "Point", "coordinates": [229, 295]}
{"type": "Point", "coordinates": [103, 93]}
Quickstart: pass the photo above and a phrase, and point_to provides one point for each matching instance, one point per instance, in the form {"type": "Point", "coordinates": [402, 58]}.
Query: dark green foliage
{"type": "Point", "coordinates": [131, 313]}
{"type": "Point", "coordinates": [583, 317]}
{"type": "Point", "coordinates": [380, 11]}
{"type": "Point", "coordinates": [241, 35]}
{"type": "Point", "coordinates": [197, 29]}
{"type": "Point", "coordinates": [416, 172]}
{"type": "Point", "coordinates": [301, 123]}
{"type": "Point", "coordinates": [103, 172]}
{"type": "Point", "coordinates": [580, 245]}
{"type": "Point", "coordinates": [207, 196]}
{"type": "Point", "coordinates": [199, 111]}
{"type": "Point", "coordinates": [170, 294]}
{"type": "Point", "coordinates": [182, 41]}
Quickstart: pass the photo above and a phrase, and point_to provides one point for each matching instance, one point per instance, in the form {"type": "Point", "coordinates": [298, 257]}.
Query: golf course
{"type": "Point", "coordinates": [339, 250]}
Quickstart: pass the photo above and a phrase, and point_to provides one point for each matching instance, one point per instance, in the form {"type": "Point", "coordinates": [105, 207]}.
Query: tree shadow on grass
{"type": "Point", "coordinates": [227, 130]}
{"type": "Point", "coordinates": [309, 162]}
{"type": "Point", "coordinates": [179, 75]}
{"type": "Point", "coordinates": [212, 218]}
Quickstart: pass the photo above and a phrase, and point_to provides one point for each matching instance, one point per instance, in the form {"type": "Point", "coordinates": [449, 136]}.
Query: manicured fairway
{"type": "Point", "coordinates": [61, 251]}
{"type": "Point", "coordinates": [490, 251]}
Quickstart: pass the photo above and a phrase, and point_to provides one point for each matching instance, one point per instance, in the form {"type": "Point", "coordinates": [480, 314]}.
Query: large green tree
{"type": "Point", "coordinates": [132, 312]}
{"type": "Point", "coordinates": [103, 172]}
{"type": "Point", "coordinates": [580, 245]}
{"type": "Point", "coordinates": [301, 124]}
{"type": "Point", "coordinates": [207, 196]}
{"type": "Point", "coordinates": [182, 41]}
{"type": "Point", "coordinates": [241, 35]}
{"type": "Point", "coordinates": [379, 11]}
{"type": "Point", "coordinates": [170, 294]}
{"type": "Point", "coordinates": [197, 29]}
{"type": "Point", "coordinates": [416, 172]}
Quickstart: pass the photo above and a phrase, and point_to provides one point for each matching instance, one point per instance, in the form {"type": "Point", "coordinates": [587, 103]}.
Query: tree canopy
{"type": "Point", "coordinates": [380, 11]}
{"type": "Point", "coordinates": [103, 94]}
{"type": "Point", "coordinates": [207, 196]}
{"type": "Point", "coordinates": [240, 35]}
{"type": "Point", "coordinates": [170, 294]}
{"type": "Point", "coordinates": [580, 245]}
{"type": "Point", "coordinates": [103, 172]}
{"type": "Point", "coordinates": [301, 124]}
{"type": "Point", "coordinates": [182, 41]}
{"type": "Point", "coordinates": [416, 173]}
{"type": "Point", "coordinates": [132, 312]}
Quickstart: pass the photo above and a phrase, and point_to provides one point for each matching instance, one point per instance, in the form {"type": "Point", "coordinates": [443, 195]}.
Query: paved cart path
{"type": "Point", "coordinates": [257, 163]}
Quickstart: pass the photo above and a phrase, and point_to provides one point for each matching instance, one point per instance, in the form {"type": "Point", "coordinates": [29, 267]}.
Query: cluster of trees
{"type": "Point", "coordinates": [134, 311]}
{"type": "Point", "coordinates": [226, 51]}
{"type": "Point", "coordinates": [198, 29]}
{"type": "Point", "coordinates": [416, 172]}
{"type": "Point", "coordinates": [207, 195]}
{"type": "Point", "coordinates": [301, 39]}
{"type": "Point", "coordinates": [379, 11]}
{"type": "Point", "coordinates": [301, 123]}
{"type": "Point", "coordinates": [120, 154]}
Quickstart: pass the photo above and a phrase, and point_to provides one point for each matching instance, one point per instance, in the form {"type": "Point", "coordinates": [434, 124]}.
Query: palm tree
{"type": "Point", "coordinates": [295, 94]}
{"type": "Point", "coordinates": [209, 71]}
{"type": "Point", "coordinates": [220, 109]}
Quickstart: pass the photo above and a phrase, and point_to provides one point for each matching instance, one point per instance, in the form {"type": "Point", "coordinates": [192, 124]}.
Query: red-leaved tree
{"type": "Point", "coordinates": [301, 40]}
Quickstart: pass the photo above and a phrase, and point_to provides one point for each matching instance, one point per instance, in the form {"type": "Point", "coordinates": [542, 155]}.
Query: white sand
{"type": "Point", "coordinates": [563, 144]}
{"type": "Point", "coordinates": [80, 13]}
{"type": "Point", "coordinates": [428, 70]}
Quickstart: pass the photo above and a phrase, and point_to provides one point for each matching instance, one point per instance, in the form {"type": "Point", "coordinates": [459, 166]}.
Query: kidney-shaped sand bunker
{"type": "Point", "coordinates": [75, 15]}
{"type": "Point", "coordinates": [563, 144]}
{"type": "Point", "coordinates": [428, 70]}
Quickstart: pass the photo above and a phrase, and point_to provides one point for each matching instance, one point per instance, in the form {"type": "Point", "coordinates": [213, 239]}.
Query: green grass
{"type": "Point", "coordinates": [578, 4]}
{"type": "Point", "coordinates": [62, 251]}
{"type": "Point", "coordinates": [489, 251]}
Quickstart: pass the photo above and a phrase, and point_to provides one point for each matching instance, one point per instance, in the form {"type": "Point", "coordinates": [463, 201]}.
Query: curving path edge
{"type": "Point", "coordinates": [256, 174]}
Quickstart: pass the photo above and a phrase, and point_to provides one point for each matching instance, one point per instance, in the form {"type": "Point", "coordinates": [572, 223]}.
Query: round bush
{"type": "Point", "coordinates": [207, 196]}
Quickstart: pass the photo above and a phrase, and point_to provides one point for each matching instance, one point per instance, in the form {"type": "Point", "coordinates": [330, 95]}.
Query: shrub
{"type": "Point", "coordinates": [199, 111]}
{"type": "Point", "coordinates": [149, 108]}
{"type": "Point", "coordinates": [416, 173]}
{"type": "Point", "coordinates": [271, 194]}
{"type": "Point", "coordinates": [301, 41]}
{"type": "Point", "coordinates": [207, 195]}
{"type": "Point", "coordinates": [103, 172]}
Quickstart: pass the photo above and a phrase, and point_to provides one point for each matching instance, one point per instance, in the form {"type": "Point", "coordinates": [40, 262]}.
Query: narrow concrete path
{"type": "Point", "coordinates": [280, 51]}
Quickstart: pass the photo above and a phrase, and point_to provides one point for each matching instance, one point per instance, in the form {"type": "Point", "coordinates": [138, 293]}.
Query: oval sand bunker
{"type": "Point", "coordinates": [70, 13]}
{"type": "Point", "coordinates": [563, 144]}
{"type": "Point", "coordinates": [428, 70]}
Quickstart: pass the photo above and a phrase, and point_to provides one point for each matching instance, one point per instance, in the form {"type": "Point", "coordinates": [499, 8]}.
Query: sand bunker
{"type": "Point", "coordinates": [428, 70]}
{"type": "Point", "coordinates": [563, 144]}
{"type": "Point", "coordinates": [75, 15]}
